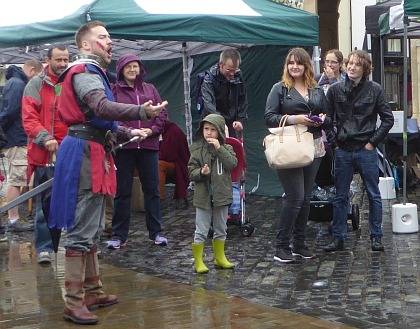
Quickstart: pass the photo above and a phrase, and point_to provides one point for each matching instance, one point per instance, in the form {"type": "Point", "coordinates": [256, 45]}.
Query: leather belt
{"type": "Point", "coordinates": [88, 132]}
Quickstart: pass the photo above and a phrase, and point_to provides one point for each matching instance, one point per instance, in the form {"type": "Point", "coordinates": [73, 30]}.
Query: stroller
{"type": "Point", "coordinates": [321, 208]}
{"type": "Point", "coordinates": [236, 213]}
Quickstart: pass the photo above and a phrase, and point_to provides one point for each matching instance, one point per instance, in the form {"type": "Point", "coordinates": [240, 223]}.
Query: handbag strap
{"type": "Point", "coordinates": [282, 124]}
{"type": "Point", "coordinates": [283, 120]}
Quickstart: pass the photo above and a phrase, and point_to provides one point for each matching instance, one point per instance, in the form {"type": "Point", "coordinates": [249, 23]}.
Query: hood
{"type": "Point", "coordinates": [216, 120]}
{"type": "Point", "coordinates": [125, 59]}
{"type": "Point", "coordinates": [14, 71]}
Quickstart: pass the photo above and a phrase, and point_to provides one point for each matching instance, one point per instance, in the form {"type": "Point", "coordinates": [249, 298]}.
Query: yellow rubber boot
{"type": "Point", "coordinates": [219, 255]}
{"type": "Point", "coordinates": [197, 249]}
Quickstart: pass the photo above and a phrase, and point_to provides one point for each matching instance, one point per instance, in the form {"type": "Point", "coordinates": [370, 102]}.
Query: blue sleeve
{"type": "Point", "coordinates": [12, 102]}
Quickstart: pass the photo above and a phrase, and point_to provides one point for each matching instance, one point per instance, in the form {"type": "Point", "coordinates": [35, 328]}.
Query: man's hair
{"type": "Point", "coordinates": [232, 54]}
{"type": "Point", "coordinates": [301, 57]}
{"type": "Point", "coordinates": [84, 30]}
{"type": "Point", "coordinates": [37, 65]}
{"type": "Point", "coordinates": [58, 46]}
{"type": "Point", "coordinates": [364, 60]}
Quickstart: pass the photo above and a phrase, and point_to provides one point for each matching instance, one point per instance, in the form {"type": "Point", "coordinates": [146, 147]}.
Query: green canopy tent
{"type": "Point", "coordinates": [178, 39]}
{"type": "Point", "coordinates": [402, 21]}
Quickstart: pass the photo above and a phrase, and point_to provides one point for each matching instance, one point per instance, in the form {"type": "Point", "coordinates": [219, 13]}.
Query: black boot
{"type": "Point", "coordinates": [377, 244]}
{"type": "Point", "coordinates": [335, 245]}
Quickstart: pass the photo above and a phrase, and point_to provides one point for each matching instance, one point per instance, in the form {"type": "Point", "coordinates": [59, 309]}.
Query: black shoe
{"type": "Point", "coordinates": [19, 226]}
{"type": "Point", "coordinates": [377, 244]}
{"type": "Point", "coordinates": [303, 252]}
{"type": "Point", "coordinates": [335, 245]}
{"type": "Point", "coordinates": [283, 255]}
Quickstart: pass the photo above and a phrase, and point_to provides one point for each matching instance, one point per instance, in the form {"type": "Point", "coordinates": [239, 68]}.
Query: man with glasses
{"type": "Point", "coordinates": [225, 92]}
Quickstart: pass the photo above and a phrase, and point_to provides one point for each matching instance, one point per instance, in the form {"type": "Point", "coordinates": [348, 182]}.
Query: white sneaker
{"type": "Point", "coordinates": [44, 257]}
{"type": "Point", "coordinates": [160, 240]}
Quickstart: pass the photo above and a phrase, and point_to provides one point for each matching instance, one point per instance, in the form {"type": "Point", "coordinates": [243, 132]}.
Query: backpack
{"type": "Point", "coordinates": [199, 96]}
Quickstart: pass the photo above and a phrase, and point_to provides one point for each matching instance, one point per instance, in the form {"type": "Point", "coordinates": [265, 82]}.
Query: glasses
{"type": "Point", "coordinates": [231, 70]}
{"type": "Point", "coordinates": [331, 62]}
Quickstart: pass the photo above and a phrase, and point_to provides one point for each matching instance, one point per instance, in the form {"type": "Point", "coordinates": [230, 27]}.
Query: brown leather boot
{"type": "Point", "coordinates": [75, 309]}
{"type": "Point", "coordinates": [94, 295]}
{"type": "Point", "coordinates": [80, 315]}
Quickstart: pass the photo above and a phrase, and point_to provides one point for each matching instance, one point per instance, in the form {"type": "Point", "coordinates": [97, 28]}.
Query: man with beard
{"type": "Point", "coordinates": [45, 132]}
{"type": "Point", "coordinates": [84, 170]}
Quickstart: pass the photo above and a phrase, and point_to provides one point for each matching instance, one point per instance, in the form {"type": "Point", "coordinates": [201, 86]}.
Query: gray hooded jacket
{"type": "Point", "coordinates": [214, 189]}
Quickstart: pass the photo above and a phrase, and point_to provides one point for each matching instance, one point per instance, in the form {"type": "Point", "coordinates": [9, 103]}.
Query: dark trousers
{"type": "Point", "coordinates": [366, 163]}
{"type": "Point", "coordinates": [297, 184]}
{"type": "Point", "coordinates": [147, 165]}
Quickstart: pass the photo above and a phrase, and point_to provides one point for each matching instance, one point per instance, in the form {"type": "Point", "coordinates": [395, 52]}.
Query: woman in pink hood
{"type": "Point", "coordinates": [142, 156]}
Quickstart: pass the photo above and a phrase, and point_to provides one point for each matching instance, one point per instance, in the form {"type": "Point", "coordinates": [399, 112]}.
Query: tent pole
{"type": "Point", "coordinates": [381, 49]}
{"type": "Point", "coordinates": [405, 56]}
{"type": "Point", "coordinates": [187, 100]}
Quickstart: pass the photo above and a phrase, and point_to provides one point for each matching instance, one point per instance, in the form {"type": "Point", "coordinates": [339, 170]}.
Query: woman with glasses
{"type": "Point", "coordinates": [333, 69]}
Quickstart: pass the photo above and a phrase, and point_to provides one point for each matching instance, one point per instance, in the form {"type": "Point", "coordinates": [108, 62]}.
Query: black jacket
{"type": "Point", "coordinates": [11, 107]}
{"type": "Point", "coordinates": [282, 101]}
{"type": "Point", "coordinates": [355, 110]}
{"type": "Point", "coordinates": [227, 98]}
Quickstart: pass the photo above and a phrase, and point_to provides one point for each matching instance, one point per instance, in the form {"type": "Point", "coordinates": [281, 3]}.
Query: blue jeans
{"type": "Point", "coordinates": [366, 163]}
{"type": "Point", "coordinates": [43, 240]}
{"type": "Point", "coordinates": [297, 184]}
{"type": "Point", "coordinates": [147, 164]}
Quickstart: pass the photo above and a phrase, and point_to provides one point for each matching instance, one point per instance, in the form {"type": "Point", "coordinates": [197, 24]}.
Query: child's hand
{"type": "Point", "coordinates": [205, 170]}
{"type": "Point", "coordinates": [213, 141]}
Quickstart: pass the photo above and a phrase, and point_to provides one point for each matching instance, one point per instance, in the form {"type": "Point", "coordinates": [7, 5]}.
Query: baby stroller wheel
{"type": "Point", "coordinates": [247, 229]}
{"type": "Point", "coordinates": [355, 216]}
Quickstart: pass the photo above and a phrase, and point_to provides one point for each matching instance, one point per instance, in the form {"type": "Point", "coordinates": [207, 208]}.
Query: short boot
{"type": "Point", "coordinates": [335, 245]}
{"type": "Point", "coordinates": [197, 249]}
{"type": "Point", "coordinates": [219, 255]}
{"type": "Point", "coordinates": [75, 269]}
{"type": "Point", "coordinates": [94, 295]}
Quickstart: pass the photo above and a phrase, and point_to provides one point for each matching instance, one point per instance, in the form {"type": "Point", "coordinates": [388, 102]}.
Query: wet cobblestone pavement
{"type": "Point", "coordinates": [354, 287]}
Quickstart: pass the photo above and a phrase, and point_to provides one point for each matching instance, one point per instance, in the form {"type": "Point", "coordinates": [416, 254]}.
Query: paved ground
{"type": "Point", "coordinates": [355, 287]}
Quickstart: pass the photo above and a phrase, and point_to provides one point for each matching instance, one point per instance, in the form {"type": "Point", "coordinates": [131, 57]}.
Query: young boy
{"type": "Point", "coordinates": [209, 167]}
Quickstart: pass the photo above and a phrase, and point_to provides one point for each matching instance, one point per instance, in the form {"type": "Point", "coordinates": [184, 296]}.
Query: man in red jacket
{"type": "Point", "coordinates": [45, 132]}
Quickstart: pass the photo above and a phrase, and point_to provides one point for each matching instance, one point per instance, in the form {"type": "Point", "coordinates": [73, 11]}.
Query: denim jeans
{"type": "Point", "coordinates": [366, 163]}
{"type": "Point", "coordinates": [297, 184]}
{"type": "Point", "coordinates": [43, 240]}
{"type": "Point", "coordinates": [147, 165]}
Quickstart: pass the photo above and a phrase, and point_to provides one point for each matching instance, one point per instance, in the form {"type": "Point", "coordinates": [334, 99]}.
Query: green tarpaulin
{"type": "Point", "coordinates": [178, 42]}
{"type": "Point", "coordinates": [412, 8]}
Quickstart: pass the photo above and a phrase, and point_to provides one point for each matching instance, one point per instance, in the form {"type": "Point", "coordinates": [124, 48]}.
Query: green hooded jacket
{"type": "Point", "coordinates": [214, 189]}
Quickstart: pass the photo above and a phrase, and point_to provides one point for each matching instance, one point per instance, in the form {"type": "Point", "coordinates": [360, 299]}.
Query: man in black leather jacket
{"type": "Point", "coordinates": [355, 105]}
{"type": "Point", "coordinates": [225, 93]}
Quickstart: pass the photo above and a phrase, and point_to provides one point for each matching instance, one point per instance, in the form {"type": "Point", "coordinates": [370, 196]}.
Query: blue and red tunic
{"type": "Point", "coordinates": [70, 153]}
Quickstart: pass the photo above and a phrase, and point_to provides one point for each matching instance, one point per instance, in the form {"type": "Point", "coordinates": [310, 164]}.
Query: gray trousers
{"type": "Point", "coordinates": [89, 220]}
{"type": "Point", "coordinates": [203, 222]}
